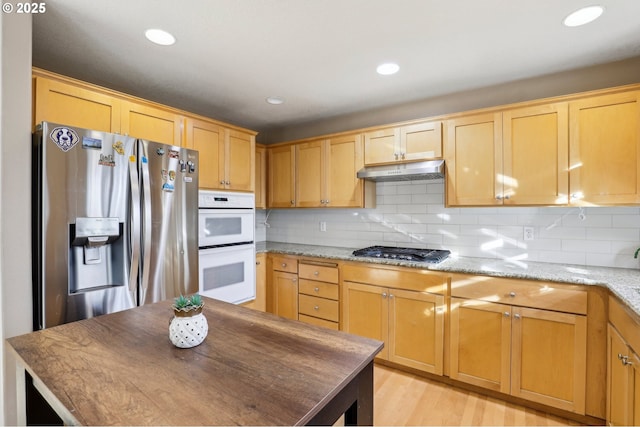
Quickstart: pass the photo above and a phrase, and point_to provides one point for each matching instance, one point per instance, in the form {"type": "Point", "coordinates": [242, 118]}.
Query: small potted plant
{"type": "Point", "coordinates": [189, 327]}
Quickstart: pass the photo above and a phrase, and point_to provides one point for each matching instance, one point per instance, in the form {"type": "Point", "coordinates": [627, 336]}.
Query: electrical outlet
{"type": "Point", "coordinates": [528, 233]}
{"type": "Point", "coordinates": [323, 226]}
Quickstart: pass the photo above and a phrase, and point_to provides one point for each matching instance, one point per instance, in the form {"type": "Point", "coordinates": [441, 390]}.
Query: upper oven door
{"type": "Point", "coordinates": [225, 226]}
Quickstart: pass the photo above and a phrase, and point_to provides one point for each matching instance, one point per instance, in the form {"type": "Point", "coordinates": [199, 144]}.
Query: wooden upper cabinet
{"type": "Point", "coordinates": [226, 156]}
{"type": "Point", "coordinates": [71, 105]}
{"type": "Point", "coordinates": [310, 178]}
{"type": "Point", "coordinates": [515, 157]}
{"type": "Point", "coordinates": [535, 155]}
{"type": "Point", "coordinates": [150, 123]}
{"type": "Point", "coordinates": [281, 171]}
{"type": "Point", "coordinates": [605, 149]}
{"type": "Point", "coordinates": [324, 174]}
{"type": "Point", "coordinates": [344, 159]}
{"type": "Point", "coordinates": [473, 153]}
{"type": "Point", "coordinates": [208, 139]}
{"type": "Point", "coordinates": [404, 143]}
{"type": "Point", "coordinates": [261, 177]}
{"type": "Point", "coordinates": [239, 160]}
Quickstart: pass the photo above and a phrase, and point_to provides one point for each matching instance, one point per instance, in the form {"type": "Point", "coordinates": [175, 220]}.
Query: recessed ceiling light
{"type": "Point", "coordinates": [160, 37]}
{"type": "Point", "coordinates": [388, 68]}
{"type": "Point", "coordinates": [583, 16]}
{"type": "Point", "coordinates": [275, 100]}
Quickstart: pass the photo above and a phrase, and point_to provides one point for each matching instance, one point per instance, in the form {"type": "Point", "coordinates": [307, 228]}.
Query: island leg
{"type": "Point", "coordinates": [360, 413]}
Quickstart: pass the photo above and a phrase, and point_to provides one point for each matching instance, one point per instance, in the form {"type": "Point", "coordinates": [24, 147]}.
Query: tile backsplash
{"type": "Point", "coordinates": [412, 214]}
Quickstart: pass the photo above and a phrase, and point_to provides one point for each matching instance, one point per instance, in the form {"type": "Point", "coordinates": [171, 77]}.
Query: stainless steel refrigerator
{"type": "Point", "coordinates": [115, 223]}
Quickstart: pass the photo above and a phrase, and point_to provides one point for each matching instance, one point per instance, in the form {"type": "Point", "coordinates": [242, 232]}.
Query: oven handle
{"type": "Point", "coordinates": [146, 223]}
{"type": "Point", "coordinates": [134, 234]}
{"type": "Point", "coordinates": [228, 245]}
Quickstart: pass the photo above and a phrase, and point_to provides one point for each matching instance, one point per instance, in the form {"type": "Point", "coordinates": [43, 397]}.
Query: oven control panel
{"type": "Point", "coordinates": [225, 200]}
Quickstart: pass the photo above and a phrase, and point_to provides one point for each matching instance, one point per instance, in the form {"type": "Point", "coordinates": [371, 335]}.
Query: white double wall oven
{"type": "Point", "coordinates": [227, 255]}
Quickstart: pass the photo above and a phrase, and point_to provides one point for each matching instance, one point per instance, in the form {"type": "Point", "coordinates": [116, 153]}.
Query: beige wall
{"type": "Point", "coordinates": [15, 188]}
{"type": "Point", "coordinates": [591, 78]}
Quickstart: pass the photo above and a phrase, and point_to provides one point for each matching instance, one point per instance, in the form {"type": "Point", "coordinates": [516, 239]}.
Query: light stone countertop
{"type": "Point", "coordinates": [623, 282]}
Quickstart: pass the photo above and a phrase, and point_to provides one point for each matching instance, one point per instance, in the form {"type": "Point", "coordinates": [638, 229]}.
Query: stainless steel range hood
{"type": "Point", "coordinates": [431, 169]}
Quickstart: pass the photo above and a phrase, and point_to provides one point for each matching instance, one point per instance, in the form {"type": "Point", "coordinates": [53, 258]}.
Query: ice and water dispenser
{"type": "Point", "coordinates": [97, 254]}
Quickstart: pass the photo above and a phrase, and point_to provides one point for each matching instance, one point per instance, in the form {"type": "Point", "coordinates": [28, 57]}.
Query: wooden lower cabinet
{"type": "Point", "coordinates": [410, 323]}
{"type": "Point", "coordinates": [284, 286]}
{"type": "Point", "coordinates": [538, 355]}
{"type": "Point", "coordinates": [623, 366]}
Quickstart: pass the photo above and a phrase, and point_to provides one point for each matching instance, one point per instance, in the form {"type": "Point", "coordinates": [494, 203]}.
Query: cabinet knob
{"type": "Point", "coordinates": [499, 197]}
{"type": "Point", "coordinates": [506, 314]}
{"type": "Point", "coordinates": [293, 202]}
{"type": "Point", "coordinates": [384, 295]}
{"type": "Point", "coordinates": [316, 289]}
{"type": "Point", "coordinates": [507, 197]}
{"type": "Point", "coordinates": [620, 356]}
{"type": "Point", "coordinates": [402, 155]}
{"type": "Point", "coordinates": [227, 182]}
{"type": "Point", "coordinates": [316, 308]}
{"type": "Point", "coordinates": [512, 294]}
{"type": "Point", "coordinates": [396, 155]}
{"type": "Point", "coordinates": [294, 280]}
{"type": "Point", "coordinates": [626, 362]}
{"type": "Point", "coordinates": [221, 182]}
{"type": "Point", "coordinates": [257, 262]}
{"type": "Point", "coordinates": [315, 273]}
{"type": "Point", "coordinates": [284, 264]}
{"type": "Point", "coordinates": [516, 316]}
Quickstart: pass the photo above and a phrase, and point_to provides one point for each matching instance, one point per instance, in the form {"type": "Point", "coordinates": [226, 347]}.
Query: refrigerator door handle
{"type": "Point", "coordinates": [135, 226]}
{"type": "Point", "coordinates": [146, 223]}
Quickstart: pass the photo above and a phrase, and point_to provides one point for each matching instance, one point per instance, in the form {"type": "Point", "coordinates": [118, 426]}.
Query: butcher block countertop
{"type": "Point", "coordinates": [622, 282]}
{"type": "Point", "coordinates": [252, 369]}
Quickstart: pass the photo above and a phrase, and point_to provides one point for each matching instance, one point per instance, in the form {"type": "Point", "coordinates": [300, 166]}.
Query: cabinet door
{"type": "Point", "coordinates": [260, 303]}
{"type": "Point", "coordinates": [208, 139]}
{"type": "Point", "coordinates": [310, 174]}
{"type": "Point", "coordinates": [604, 138]}
{"type": "Point", "coordinates": [239, 161]}
{"type": "Point", "coordinates": [480, 343]}
{"type": "Point", "coordinates": [381, 146]}
{"type": "Point", "coordinates": [635, 389]}
{"type": "Point", "coordinates": [71, 105]}
{"type": "Point", "coordinates": [618, 380]}
{"type": "Point", "coordinates": [548, 358]}
{"type": "Point", "coordinates": [416, 330]}
{"type": "Point", "coordinates": [365, 312]}
{"type": "Point", "coordinates": [421, 141]}
{"type": "Point", "coordinates": [535, 155]}
{"type": "Point", "coordinates": [281, 177]}
{"type": "Point", "coordinates": [344, 160]}
{"type": "Point", "coordinates": [473, 154]}
{"type": "Point", "coordinates": [285, 294]}
{"type": "Point", "coordinates": [153, 124]}
{"type": "Point", "coordinates": [261, 178]}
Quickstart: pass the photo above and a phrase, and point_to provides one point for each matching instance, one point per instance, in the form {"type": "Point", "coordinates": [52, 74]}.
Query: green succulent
{"type": "Point", "coordinates": [187, 303]}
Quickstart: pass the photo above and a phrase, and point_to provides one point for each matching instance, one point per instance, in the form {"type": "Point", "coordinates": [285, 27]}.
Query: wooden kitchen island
{"type": "Point", "coordinates": [252, 369]}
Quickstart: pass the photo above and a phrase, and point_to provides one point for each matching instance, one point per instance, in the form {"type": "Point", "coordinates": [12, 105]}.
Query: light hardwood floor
{"type": "Point", "coordinates": [402, 399]}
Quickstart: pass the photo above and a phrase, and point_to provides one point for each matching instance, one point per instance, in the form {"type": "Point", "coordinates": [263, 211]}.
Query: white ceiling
{"type": "Point", "coordinates": [320, 55]}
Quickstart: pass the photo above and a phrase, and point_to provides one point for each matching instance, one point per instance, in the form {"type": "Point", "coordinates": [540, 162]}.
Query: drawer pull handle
{"type": "Point", "coordinates": [315, 307]}
{"type": "Point", "coordinates": [317, 289]}
{"type": "Point", "coordinates": [512, 294]}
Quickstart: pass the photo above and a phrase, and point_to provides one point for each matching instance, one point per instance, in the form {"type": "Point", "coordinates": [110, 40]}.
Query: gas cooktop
{"type": "Point", "coordinates": [405, 254]}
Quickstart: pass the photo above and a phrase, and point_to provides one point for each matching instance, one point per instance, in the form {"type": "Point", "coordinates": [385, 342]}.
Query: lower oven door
{"type": "Point", "coordinates": [228, 273]}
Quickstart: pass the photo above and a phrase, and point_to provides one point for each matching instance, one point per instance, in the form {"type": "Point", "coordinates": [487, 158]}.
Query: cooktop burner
{"type": "Point", "coordinates": [405, 254]}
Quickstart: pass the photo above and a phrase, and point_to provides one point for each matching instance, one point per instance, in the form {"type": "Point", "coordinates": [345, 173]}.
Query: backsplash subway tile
{"type": "Point", "coordinates": [413, 214]}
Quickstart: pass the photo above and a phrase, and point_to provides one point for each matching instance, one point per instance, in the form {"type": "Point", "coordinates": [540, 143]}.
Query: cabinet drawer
{"type": "Point", "coordinates": [412, 279]}
{"type": "Point", "coordinates": [319, 322]}
{"type": "Point", "coordinates": [318, 289]}
{"type": "Point", "coordinates": [318, 272]}
{"type": "Point", "coordinates": [318, 307]}
{"type": "Point", "coordinates": [544, 295]}
{"type": "Point", "coordinates": [281, 263]}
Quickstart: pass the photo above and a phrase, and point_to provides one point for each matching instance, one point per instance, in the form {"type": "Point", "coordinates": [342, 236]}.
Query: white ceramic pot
{"type": "Point", "coordinates": [188, 331]}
